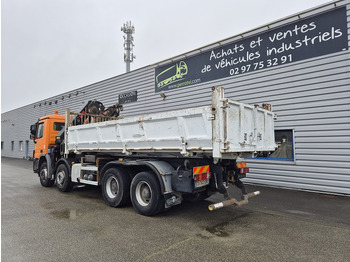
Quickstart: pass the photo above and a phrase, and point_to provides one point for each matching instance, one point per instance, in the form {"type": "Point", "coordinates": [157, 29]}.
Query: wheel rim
{"type": "Point", "coordinates": [143, 193]}
{"type": "Point", "coordinates": [112, 187]}
{"type": "Point", "coordinates": [60, 177]}
{"type": "Point", "coordinates": [43, 174]}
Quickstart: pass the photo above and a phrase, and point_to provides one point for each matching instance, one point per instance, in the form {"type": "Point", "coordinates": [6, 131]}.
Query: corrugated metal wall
{"type": "Point", "coordinates": [312, 97]}
{"type": "Point", "coordinates": [315, 104]}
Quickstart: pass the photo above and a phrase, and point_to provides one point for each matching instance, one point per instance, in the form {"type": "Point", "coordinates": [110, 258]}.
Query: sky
{"type": "Point", "coordinates": [51, 47]}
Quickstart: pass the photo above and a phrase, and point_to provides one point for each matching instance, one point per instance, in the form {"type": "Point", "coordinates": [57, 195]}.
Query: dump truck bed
{"type": "Point", "coordinates": [225, 129]}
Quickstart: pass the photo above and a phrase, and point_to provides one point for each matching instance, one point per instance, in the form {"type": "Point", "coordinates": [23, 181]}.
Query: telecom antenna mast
{"type": "Point", "coordinates": [129, 56]}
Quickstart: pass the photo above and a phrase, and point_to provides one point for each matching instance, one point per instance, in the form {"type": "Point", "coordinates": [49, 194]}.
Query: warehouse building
{"type": "Point", "coordinates": [299, 64]}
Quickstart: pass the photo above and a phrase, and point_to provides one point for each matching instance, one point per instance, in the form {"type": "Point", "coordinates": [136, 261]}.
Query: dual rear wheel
{"type": "Point", "coordinates": [116, 187]}
{"type": "Point", "coordinates": [143, 191]}
{"type": "Point", "coordinates": [146, 194]}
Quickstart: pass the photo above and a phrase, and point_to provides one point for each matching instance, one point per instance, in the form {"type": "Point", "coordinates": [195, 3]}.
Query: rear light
{"type": "Point", "coordinates": [242, 167]}
{"type": "Point", "coordinates": [244, 170]}
{"type": "Point", "coordinates": [203, 176]}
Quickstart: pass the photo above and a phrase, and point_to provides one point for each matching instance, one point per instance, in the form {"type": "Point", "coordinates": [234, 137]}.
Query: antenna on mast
{"type": "Point", "coordinates": [129, 56]}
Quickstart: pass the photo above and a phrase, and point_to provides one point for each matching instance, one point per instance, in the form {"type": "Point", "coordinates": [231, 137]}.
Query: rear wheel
{"type": "Point", "coordinates": [116, 187]}
{"type": "Point", "coordinates": [63, 181]}
{"type": "Point", "coordinates": [146, 195]}
{"type": "Point", "coordinates": [44, 176]}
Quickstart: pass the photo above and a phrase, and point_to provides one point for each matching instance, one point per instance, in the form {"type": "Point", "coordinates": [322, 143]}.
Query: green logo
{"type": "Point", "coordinates": [172, 74]}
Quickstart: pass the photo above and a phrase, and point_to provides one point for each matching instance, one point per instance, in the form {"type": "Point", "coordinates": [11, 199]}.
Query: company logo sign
{"type": "Point", "coordinates": [128, 97]}
{"type": "Point", "coordinates": [172, 74]}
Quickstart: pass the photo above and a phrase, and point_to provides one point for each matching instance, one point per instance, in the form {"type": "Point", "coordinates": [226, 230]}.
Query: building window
{"type": "Point", "coordinates": [285, 151]}
{"type": "Point", "coordinates": [2, 145]}
{"type": "Point", "coordinates": [12, 145]}
{"type": "Point", "coordinates": [20, 145]}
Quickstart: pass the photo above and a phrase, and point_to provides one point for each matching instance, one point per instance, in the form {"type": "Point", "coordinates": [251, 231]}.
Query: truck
{"type": "Point", "coordinates": [154, 161]}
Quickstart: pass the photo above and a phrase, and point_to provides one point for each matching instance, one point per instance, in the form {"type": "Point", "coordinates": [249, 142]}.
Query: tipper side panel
{"type": "Point", "coordinates": [178, 131]}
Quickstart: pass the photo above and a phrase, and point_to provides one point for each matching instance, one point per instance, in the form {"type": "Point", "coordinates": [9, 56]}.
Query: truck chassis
{"type": "Point", "coordinates": [131, 166]}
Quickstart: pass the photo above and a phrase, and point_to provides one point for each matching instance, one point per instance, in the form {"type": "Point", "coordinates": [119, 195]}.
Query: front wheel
{"type": "Point", "coordinates": [44, 176]}
{"type": "Point", "coordinates": [146, 195]}
{"type": "Point", "coordinates": [63, 181]}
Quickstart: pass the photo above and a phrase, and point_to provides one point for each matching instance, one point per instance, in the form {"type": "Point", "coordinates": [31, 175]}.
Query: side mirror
{"type": "Point", "coordinates": [33, 131]}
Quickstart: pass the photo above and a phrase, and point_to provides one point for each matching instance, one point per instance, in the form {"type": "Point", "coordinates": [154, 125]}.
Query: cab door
{"type": "Point", "coordinates": [40, 147]}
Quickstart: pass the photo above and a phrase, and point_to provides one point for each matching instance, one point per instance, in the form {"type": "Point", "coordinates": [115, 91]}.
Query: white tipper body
{"type": "Point", "coordinates": [224, 130]}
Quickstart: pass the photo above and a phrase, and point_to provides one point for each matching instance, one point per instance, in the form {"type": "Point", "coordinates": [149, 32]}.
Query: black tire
{"type": "Point", "coordinates": [45, 181]}
{"type": "Point", "coordinates": [146, 195]}
{"type": "Point", "coordinates": [116, 187]}
{"type": "Point", "coordinates": [62, 179]}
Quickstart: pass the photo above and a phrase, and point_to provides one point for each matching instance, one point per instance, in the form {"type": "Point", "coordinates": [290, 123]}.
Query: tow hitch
{"type": "Point", "coordinates": [233, 201]}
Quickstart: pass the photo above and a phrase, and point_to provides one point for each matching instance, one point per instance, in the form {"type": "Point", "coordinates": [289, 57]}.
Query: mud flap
{"type": "Point", "coordinates": [49, 167]}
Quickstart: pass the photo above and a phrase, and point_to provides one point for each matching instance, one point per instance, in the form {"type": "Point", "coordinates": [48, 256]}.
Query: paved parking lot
{"type": "Point", "coordinates": [43, 224]}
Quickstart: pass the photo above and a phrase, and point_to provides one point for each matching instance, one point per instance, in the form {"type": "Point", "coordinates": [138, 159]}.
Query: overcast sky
{"type": "Point", "coordinates": [50, 47]}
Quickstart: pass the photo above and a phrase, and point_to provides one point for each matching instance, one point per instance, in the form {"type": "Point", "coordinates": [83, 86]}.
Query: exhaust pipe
{"type": "Point", "coordinates": [233, 201]}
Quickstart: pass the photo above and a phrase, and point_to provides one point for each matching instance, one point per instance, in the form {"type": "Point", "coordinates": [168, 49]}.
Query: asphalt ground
{"type": "Point", "coordinates": [43, 224]}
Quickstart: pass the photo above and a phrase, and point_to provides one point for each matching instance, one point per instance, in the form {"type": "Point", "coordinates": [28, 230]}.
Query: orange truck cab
{"type": "Point", "coordinates": [44, 135]}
